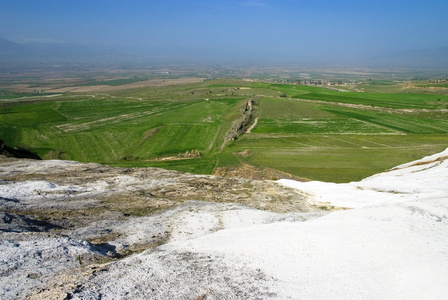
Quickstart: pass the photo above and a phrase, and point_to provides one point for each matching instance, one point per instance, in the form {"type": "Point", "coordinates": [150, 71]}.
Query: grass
{"type": "Point", "coordinates": [406, 123]}
{"type": "Point", "coordinates": [29, 115]}
{"type": "Point", "coordinates": [203, 165]}
{"type": "Point", "coordinates": [114, 130]}
{"type": "Point", "coordinates": [318, 126]}
{"type": "Point", "coordinates": [13, 95]}
{"type": "Point", "coordinates": [387, 100]}
{"type": "Point", "coordinates": [338, 143]}
{"type": "Point", "coordinates": [289, 109]}
{"type": "Point", "coordinates": [337, 158]}
{"type": "Point", "coordinates": [405, 101]}
{"type": "Point", "coordinates": [442, 85]}
{"type": "Point", "coordinates": [323, 137]}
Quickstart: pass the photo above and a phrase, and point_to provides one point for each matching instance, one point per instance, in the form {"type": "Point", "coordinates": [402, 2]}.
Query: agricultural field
{"type": "Point", "coordinates": [314, 132]}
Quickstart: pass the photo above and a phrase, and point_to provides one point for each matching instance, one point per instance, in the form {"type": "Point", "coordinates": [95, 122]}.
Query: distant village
{"type": "Point", "coordinates": [314, 82]}
{"type": "Point", "coordinates": [438, 80]}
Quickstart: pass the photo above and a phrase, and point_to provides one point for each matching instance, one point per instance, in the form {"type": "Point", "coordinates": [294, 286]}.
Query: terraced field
{"type": "Point", "coordinates": [387, 100]}
{"type": "Point", "coordinates": [340, 136]}
{"type": "Point", "coordinates": [306, 131]}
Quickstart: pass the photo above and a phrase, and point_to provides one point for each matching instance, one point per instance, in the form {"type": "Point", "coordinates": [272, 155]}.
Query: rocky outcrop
{"type": "Point", "coordinates": [63, 216]}
{"type": "Point", "coordinates": [241, 125]}
{"type": "Point", "coordinates": [156, 234]}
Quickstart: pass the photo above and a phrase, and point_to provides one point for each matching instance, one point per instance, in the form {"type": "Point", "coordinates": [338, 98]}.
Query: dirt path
{"type": "Point", "coordinates": [252, 126]}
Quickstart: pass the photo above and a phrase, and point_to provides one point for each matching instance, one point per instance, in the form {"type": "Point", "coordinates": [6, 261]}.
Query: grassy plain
{"type": "Point", "coordinates": [313, 132]}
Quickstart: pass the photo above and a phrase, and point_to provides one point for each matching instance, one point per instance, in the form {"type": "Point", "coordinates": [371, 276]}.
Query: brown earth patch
{"type": "Point", "coordinates": [244, 153]}
{"type": "Point", "coordinates": [421, 163]}
{"type": "Point", "coordinates": [181, 156]}
{"type": "Point", "coordinates": [247, 171]}
{"type": "Point", "coordinates": [140, 84]}
{"type": "Point", "coordinates": [63, 88]}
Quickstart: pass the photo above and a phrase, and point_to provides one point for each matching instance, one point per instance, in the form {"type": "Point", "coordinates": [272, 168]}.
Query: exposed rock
{"type": "Point", "coordinates": [139, 234]}
{"type": "Point", "coordinates": [241, 125]}
{"type": "Point", "coordinates": [30, 260]}
{"type": "Point", "coordinates": [62, 216]}
{"type": "Point", "coordinates": [20, 223]}
{"type": "Point", "coordinates": [250, 172]}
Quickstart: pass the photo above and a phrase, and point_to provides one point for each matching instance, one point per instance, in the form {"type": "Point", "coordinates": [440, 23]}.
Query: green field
{"type": "Point", "coordinates": [313, 132]}
{"type": "Point", "coordinates": [119, 131]}
{"type": "Point", "coordinates": [117, 82]}
{"type": "Point", "coordinates": [386, 100]}
{"type": "Point", "coordinates": [440, 85]}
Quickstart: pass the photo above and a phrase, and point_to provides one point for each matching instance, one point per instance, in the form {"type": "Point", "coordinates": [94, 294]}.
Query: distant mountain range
{"type": "Point", "coordinates": [11, 49]}
{"type": "Point", "coordinates": [44, 51]}
{"type": "Point", "coordinates": [55, 51]}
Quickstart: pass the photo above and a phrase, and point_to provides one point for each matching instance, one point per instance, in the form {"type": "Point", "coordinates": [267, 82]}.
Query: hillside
{"type": "Point", "coordinates": [18, 153]}
{"type": "Point", "coordinates": [389, 241]}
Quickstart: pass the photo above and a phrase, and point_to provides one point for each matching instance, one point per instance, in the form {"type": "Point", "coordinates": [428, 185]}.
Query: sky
{"type": "Point", "coordinates": [233, 29]}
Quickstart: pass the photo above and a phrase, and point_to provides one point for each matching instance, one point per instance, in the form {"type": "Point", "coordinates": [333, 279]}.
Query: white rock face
{"type": "Point", "coordinates": [33, 261]}
{"type": "Point", "coordinates": [391, 244]}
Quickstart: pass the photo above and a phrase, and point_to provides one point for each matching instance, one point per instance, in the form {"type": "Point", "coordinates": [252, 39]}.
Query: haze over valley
{"type": "Point", "coordinates": [244, 32]}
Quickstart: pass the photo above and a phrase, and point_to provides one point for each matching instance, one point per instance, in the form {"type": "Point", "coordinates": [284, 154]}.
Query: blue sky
{"type": "Point", "coordinates": [230, 28]}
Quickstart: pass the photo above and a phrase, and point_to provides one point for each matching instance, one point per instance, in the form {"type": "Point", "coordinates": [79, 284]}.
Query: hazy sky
{"type": "Point", "coordinates": [233, 28]}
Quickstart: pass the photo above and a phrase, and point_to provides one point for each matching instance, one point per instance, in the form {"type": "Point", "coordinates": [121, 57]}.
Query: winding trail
{"type": "Point", "coordinates": [252, 126]}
